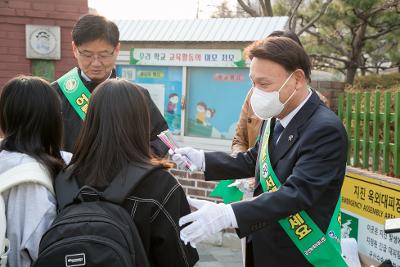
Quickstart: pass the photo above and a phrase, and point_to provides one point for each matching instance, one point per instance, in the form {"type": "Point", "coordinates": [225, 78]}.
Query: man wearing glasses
{"type": "Point", "coordinates": [96, 47]}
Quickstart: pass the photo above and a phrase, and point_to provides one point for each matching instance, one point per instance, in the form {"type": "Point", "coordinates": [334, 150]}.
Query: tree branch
{"type": "Point", "coordinates": [372, 12]}
{"type": "Point", "coordinates": [293, 15]}
{"type": "Point", "coordinates": [380, 33]}
{"type": "Point", "coordinates": [317, 17]}
{"type": "Point", "coordinates": [345, 61]}
{"type": "Point", "coordinates": [331, 44]}
{"type": "Point", "coordinates": [268, 7]}
{"type": "Point", "coordinates": [263, 7]}
{"type": "Point", "coordinates": [327, 65]}
{"type": "Point", "coordinates": [248, 9]}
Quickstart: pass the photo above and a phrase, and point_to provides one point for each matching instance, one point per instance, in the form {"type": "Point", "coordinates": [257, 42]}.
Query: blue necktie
{"type": "Point", "coordinates": [278, 128]}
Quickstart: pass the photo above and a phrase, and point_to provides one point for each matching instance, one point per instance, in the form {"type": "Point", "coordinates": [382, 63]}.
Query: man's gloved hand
{"type": "Point", "coordinates": [245, 185]}
{"type": "Point", "coordinates": [195, 156]}
{"type": "Point", "coordinates": [209, 218]}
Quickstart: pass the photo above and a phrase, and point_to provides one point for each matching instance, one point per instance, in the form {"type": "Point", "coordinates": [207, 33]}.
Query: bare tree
{"type": "Point", "coordinates": [223, 11]}
{"type": "Point", "coordinates": [298, 19]}
{"type": "Point", "coordinates": [263, 9]}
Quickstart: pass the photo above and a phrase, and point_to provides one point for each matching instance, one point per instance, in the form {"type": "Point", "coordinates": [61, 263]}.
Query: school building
{"type": "Point", "coordinates": [196, 73]}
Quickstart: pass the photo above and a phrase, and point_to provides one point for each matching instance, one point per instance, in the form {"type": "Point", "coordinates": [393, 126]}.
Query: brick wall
{"type": "Point", "coordinates": [194, 184]}
{"type": "Point", "coordinates": [15, 14]}
{"type": "Point", "coordinates": [331, 90]}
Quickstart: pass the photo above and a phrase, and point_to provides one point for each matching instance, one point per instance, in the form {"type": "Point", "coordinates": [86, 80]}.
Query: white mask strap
{"type": "Point", "coordinates": [285, 82]}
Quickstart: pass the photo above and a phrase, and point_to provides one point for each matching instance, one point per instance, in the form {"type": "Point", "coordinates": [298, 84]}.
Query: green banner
{"type": "Point", "coordinates": [75, 91]}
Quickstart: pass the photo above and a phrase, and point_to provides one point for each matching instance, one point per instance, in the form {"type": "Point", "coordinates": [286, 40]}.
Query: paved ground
{"type": "Point", "coordinates": [212, 255]}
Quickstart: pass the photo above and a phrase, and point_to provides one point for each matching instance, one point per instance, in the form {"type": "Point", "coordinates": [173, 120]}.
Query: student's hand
{"type": "Point", "coordinates": [195, 156]}
{"type": "Point", "coordinates": [209, 218]}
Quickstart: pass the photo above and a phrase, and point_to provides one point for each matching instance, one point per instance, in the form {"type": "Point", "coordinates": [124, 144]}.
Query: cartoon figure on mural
{"type": "Point", "coordinates": [172, 115]}
{"type": "Point", "coordinates": [201, 113]}
{"type": "Point", "coordinates": [202, 125]}
{"type": "Point", "coordinates": [172, 103]}
{"type": "Point", "coordinates": [209, 114]}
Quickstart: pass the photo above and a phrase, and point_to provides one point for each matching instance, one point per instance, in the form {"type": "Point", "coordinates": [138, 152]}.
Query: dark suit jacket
{"type": "Point", "coordinates": [72, 123]}
{"type": "Point", "coordinates": [310, 166]}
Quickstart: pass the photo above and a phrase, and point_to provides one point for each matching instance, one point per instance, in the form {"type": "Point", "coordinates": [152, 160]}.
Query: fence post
{"type": "Point", "coordinates": [386, 132]}
{"type": "Point", "coordinates": [375, 134]}
{"type": "Point", "coordinates": [365, 148]}
{"type": "Point", "coordinates": [348, 124]}
{"type": "Point", "coordinates": [396, 152]}
{"type": "Point", "coordinates": [356, 136]}
{"type": "Point", "coordinates": [340, 106]}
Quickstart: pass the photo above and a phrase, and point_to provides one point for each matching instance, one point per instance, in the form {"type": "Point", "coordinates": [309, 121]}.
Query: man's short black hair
{"type": "Point", "coordinates": [282, 50]}
{"type": "Point", "coordinates": [95, 27]}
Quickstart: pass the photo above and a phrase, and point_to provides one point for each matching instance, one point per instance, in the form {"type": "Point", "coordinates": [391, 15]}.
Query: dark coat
{"type": "Point", "coordinates": [72, 122]}
{"type": "Point", "coordinates": [156, 205]}
{"type": "Point", "coordinates": [310, 166]}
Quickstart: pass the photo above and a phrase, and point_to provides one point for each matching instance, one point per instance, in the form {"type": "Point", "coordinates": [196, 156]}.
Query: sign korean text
{"type": "Point", "coordinates": [366, 203]}
{"type": "Point", "coordinates": [187, 57]}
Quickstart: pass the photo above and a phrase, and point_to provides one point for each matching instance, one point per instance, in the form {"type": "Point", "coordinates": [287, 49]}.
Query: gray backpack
{"type": "Point", "coordinates": [31, 172]}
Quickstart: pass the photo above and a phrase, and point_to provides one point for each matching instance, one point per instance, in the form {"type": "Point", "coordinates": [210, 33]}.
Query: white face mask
{"type": "Point", "coordinates": [267, 104]}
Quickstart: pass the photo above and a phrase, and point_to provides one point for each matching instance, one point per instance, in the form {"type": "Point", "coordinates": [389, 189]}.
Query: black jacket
{"type": "Point", "coordinates": [310, 162]}
{"type": "Point", "coordinates": [72, 122]}
{"type": "Point", "coordinates": [156, 205]}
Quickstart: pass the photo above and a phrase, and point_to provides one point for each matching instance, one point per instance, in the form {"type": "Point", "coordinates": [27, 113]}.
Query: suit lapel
{"type": "Point", "coordinates": [291, 133]}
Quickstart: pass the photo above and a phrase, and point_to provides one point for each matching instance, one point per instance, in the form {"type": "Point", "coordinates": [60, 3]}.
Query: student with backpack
{"type": "Point", "coordinates": [31, 125]}
{"type": "Point", "coordinates": [119, 205]}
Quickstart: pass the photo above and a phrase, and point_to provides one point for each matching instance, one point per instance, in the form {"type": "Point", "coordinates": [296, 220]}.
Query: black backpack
{"type": "Point", "coordinates": [92, 228]}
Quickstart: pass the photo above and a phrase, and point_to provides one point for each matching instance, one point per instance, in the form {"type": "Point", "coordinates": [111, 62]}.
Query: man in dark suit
{"type": "Point", "coordinates": [306, 152]}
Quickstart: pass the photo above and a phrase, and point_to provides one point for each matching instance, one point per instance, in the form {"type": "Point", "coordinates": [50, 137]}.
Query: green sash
{"type": "Point", "coordinates": [318, 248]}
{"type": "Point", "coordinates": [75, 91]}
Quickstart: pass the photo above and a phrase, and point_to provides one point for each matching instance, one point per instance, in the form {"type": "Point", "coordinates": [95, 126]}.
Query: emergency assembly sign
{"type": "Point", "coordinates": [366, 203]}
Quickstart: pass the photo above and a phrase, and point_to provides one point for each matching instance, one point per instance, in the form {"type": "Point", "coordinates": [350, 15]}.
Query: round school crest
{"type": "Point", "coordinates": [71, 85]}
{"type": "Point", "coordinates": [43, 41]}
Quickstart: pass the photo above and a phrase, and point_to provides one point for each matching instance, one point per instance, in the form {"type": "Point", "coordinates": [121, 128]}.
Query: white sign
{"type": "Point", "coordinates": [43, 42]}
{"type": "Point", "coordinates": [371, 238]}
{"type": "Point", "coordinates": [157, 94]}
{"type": "Point", "coordinates": [187, 57]}
{"type": "Point", "coordinates": [128, 73]}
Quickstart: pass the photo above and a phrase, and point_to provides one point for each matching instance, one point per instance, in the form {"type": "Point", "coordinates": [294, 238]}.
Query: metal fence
{"type": "Point", "coordinates": [372, 121]}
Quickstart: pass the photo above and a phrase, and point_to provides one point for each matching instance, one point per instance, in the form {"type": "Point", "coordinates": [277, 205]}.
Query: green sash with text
{"type": "Point", "coordinates": [318, 248]}
{"type": "Point", "coordinates": [75, 91]}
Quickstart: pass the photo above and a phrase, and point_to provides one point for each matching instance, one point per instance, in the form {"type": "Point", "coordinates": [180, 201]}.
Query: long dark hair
{"type": "Point", "coordinates": [30, 119]}
{"type": "Point", "coordinates": [116, 132]}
